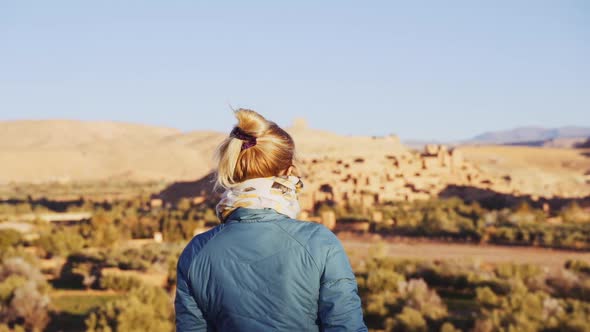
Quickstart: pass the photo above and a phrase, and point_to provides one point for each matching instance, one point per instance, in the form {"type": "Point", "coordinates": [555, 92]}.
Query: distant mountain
{"type": "Point", "coordinates": [583, 145]}
{"type": "Point", "coordinates": [531, 136]}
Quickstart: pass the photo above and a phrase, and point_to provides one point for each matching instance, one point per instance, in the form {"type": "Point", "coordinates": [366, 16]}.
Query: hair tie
{"type": "Point", "coordinates": [249, 140]}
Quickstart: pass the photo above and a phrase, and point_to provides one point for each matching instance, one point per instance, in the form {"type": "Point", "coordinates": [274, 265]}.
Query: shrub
{"type": "Point", "coordinates": [409, 320]}
{"type": "Point", "coordinates": [102, 231]}
{"type": "Point", "coordinates": [487, 298]}
{"type": "Point", "coordinates": [392, 302]}
{"type": "Point", "coordinates": [448, 327]}
{"type": "Point", "coordinates": [148, 255]}
{"type": "Point", "coordinates": [119, 282]}
{"type": "Point", "coordinates": [31, 305]}
{"type": "Point", "coordinates": [146, 308]}
{"type": "Point", "coordinates": [578, 266]}
{"type": "Point", "coordinates": [573, 213]}
{"type": "Point", "coordinates": [383, 280]}
{"type": "Point", "coordinates": [9, 238]}
{"type": "Point", "coordinates": [415, 294]}
{"type": "Point", "coordinates": [23, 295]}
{"type": "Point", "coordinates": [521, 311]}
{"type": "Point", "coordinates": [61, 243]}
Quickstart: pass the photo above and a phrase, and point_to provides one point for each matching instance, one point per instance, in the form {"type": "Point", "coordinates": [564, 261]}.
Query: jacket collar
{"type": "Point", "coordinates": [254, 215]}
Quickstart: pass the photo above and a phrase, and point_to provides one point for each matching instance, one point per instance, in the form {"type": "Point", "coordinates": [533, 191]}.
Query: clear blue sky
{"type": "Point", "coordinates": [421, 69]}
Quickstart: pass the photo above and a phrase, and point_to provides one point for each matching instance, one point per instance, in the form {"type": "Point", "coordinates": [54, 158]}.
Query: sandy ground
{"type": "Point", "coordinates": [477, 253]}
{"type": "Point", "coordinates": [151, 278]}
{"type": "Point", "coordinates": [536, 170]}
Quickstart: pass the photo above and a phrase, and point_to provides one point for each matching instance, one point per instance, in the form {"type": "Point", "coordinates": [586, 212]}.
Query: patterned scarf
{"type": "Point", "coordinates": [277, 193]}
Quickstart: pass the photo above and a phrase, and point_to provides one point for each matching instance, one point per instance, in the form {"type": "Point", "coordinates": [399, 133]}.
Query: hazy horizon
{"type": "Point", "coordinates": [431, 72]}
{"type": "Point", "coordinates": [289, 124]}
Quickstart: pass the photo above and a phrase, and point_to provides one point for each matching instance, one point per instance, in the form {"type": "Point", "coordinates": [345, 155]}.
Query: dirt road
{"type": "Point", "coordinates": [482, 253]}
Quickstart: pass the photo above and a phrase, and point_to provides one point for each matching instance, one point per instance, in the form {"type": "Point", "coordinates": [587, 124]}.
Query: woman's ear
{"type": "Point", "coordinates": [294, 170]}
{"type": "Point", "coordinates": [287, 172]}
{"type": "Point", "coordinates": [290, 170]}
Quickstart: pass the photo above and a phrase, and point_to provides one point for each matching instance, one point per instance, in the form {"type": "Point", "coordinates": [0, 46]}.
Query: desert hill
{"type": "Point", "coordinates": [37, 134]}
{"type": "Point", "coordinates": [66, 150]}
{"type": "Point", "coordinates": [70, 151]}
{"type": "Point", "coordinates": [311, 143]}
{"type": "Point", "coordinates": [63, 150]}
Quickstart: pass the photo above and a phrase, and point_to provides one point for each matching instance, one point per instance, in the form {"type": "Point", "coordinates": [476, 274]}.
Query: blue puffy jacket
{"type": "Point", "coordinates": [262, 271]}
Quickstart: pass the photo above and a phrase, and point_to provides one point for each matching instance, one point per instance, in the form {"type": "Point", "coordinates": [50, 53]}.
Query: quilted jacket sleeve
{"type": "Point", "coordinates": [339, 303]}
{"type": "Point", "coordinates": [189, 317]}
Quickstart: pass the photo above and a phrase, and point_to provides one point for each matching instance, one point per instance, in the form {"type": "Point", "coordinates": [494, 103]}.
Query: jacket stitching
{"type": "Point", "coordinates": [301, 244]}
{"type": "Point", "coordinates": [195, 253]}
{"type": "Point", "coordinates": [336, 281]}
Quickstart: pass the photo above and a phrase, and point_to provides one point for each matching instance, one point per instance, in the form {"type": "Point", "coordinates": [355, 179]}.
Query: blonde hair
{"type": "Point", "coordinates": [272, 154]}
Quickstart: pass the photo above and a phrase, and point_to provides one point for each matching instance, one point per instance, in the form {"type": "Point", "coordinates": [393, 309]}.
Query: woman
{"type": "Point", "coordinates": [260, 269]}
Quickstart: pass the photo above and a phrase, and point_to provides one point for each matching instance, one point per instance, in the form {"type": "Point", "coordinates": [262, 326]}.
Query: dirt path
{"type": "Point", "coordinates": [482, 253]}
{"type": "Point", "coordinates": [83, 292]}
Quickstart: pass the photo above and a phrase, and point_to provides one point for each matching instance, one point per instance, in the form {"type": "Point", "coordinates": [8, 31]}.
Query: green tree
{"type": "Point", "coordinates": [102, 230]}
{"type": "Point", "coordinates": [61, 242]}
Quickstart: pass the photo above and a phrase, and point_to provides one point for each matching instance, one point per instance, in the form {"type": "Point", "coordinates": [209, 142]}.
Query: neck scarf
{"type": "Point", "coordinates": [278, 193]}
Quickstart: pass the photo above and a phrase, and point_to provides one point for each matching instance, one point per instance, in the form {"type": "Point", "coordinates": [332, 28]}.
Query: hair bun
{"type": "Point", "coordinates": [272, 156]}
{"type": "Point", "coordinates": [251, 122]}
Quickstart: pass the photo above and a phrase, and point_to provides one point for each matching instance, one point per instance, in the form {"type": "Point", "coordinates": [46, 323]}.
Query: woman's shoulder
{"type": "Point", "coordinates": [307, 230]}
{"type": "Point", "coordinates": [196, 245]}
{"type": "Point", "coordinates": [317, 239]}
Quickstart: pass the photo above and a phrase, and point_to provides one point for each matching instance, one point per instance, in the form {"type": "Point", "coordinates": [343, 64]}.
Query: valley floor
{"type": "Point", "coordinates": [549, 258]}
